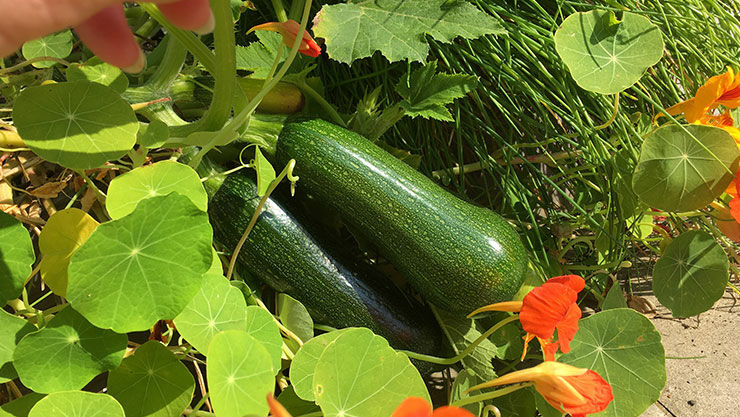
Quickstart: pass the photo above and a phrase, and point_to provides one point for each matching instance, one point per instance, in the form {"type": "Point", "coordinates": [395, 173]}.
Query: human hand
{"type": "Point", "coordinates": [100, 24]}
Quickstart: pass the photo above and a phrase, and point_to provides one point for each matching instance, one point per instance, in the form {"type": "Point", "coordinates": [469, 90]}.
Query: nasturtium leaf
{"type": "Point", "coordinates": [397, 28]}
{"type": "Point", "coordinates": [295, 318]}
{"type": "Point", "coordinates": [614, 298]}
{"type": "Point", "coordinates": [67, 354]}
{"type": "Point", "coordinates": [100, 72]}
{"type": "Point", "coordinates": [461, 332]}
{"type": "Point", "coordinates": [77, 404]}
{"type": "Point", "coordinates": [607, 56]}
{"type": "Point", "coordinates": [16, 257]}
{"type": "Point", "coordinates": [216, 307]}
{"type": "Point", "coordinates": [152, 382]}
{"type": "Point", "coordinates": [294, 404]}
{"type": "Point", "coordinates": [624, 348]}
{"type": "Point", "coordinates": [464, 380]}
{"type": "Point", "coordinates": [77, 124]}
{"type": "Point", "coordinates": [265, 172]}
{"type": "Point", "coordinates": [22, 406]}
{"type": "Point", "coordinates": [304, 363]}
{"type": "Point", "coordinates": [677, 172]}
{"type": "Point", "coordinates": [143, 267]}
{"type": "Point", "coordinates": [426, 93]}
{"type": "Point", "coordinates": [12, 330]}
{"type": "Point", "coordinates": [261, 325]}
{"type": "Point", "coordinates": [692, 274]}
{"type": "Point", "coordinates": [64, 232]}
{"type": "Point", "coordinates": [56, 45]}
{"type": "Point", "coordinates": [240, 374]}
{"type": "Point", "coordinates": [153, 135]}
{"type": "Point", "coordinates": [162, 178]}
{"type": "Point", "coordinates": [360, 375]}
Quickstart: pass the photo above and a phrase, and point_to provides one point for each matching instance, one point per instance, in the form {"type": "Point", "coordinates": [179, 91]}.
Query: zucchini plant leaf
{"type": "Point", "coordinates": [675, 171]}
{"type": "Point", "coordinates": [607, 56]}
{"type": "Point", "coordinates": [12, 330]}
{"type": "Point", "coordinates": [265, 172]}
{"type": "Point", "coordinates": [77, 404]}
{"type": "Point", "coordinates": [304, 363]}
{"type": "Point", "coordinates": [67, 354]}
{"type": "Point", "coordinates": [426, 93]}
{"type": "Point", "coordinates": [397, 28]}
{"type": "Point", "coordinates": [360, 375]}
{"type": "Point", "coordinates": [692, 274]}
{"type": "Point", "coordinates": [77, 124]}
{"type": "Point", "coordinates": [162, 178]}
{"type": "Point", "coordinates": [464, 380]}
{"type": "Point", "coordinates": [56, 45]}
{"type": "Point", "coordinates": [259, 56]}
{"type": "Point", "coordinates": [100, 72]}
{"type": "Point", "coordinates": [240, 374]}
{"type": "Point", "coordinates": [143, 267]}
{"type": "Point", "coordinates": [64, 232]}
{"type": "Point", "coordinates": [624, 348]}
{"type": "Point", "coordinates": [153, 383]}
{"type": "Point", "coordinates": [461, 332]}
{"type": "Point", "coordinates": [16, 257]}
{"type": "Point", "coordinates": [218, 306]}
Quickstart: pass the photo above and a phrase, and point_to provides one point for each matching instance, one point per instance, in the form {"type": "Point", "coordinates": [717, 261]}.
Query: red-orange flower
{"type": "Point", "coordinates": [572, 390]}
{"type": "Point", "coordinates": [276, 409]}
{"type": "Point", "coordinates": [419, 407]}
{"type": "Point", "coordinates": [720, 90]}
{"type": "Point", "coordinates": [546, 308]}
{"type": "Point", "coordinates": [289, 30]}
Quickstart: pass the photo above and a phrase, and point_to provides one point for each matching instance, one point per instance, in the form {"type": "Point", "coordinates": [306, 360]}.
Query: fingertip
{"type": "Point", "coordinates": [109, 37]}
{"type": "Point", "coordinates": [195, 15]}
{"type": "Point", "coordinates": [138, 66]}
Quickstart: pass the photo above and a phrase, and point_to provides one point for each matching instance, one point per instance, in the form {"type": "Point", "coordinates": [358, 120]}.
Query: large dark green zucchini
{"type": "Point", "coordinates": [458, 256]}
{"type": "Point", "coordinates": [281, 253]}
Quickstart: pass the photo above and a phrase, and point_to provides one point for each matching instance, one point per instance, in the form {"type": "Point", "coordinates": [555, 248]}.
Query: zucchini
{"type": "Point", "coordinates": [281, 253]}
{"type": "Point", "coordinates": [457, 255]}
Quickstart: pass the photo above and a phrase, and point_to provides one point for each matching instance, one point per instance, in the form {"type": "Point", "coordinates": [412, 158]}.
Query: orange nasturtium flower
{"type": "Point", "coordinates": [276, 409]}
{"type": "Point", "coordinates": [572, 390]}
{"type": "Point", "coordinates": [550, 306]}
{"type": "Point", "coordinates": [289, 30]}
{"type": "Point", "coordinates": [720, 90]}
{"type": "Point", "coordinates": [419, 407]}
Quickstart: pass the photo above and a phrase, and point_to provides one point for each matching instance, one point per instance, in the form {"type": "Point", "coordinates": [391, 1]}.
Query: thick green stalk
{"type": "Point", "coordinates": [225, 72]}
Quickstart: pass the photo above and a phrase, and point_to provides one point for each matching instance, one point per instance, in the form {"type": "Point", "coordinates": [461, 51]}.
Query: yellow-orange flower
{"type": "Point", "coordinates": [577, 391]}
{"type": "Point", "coordinates": [289, 30]}
{"type": "Point", "coordinates": [276, 409]}
{"type": "Point", "coordinates": [720, 90]}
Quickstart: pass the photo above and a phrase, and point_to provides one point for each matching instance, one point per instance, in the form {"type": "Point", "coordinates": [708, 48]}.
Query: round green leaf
{"type": "Point", "coordinates": [67, 354]}
{"type": "Point", "coordinates": [78, 124]}
{"type": "Point", "coordinates": [153, 135]}
{"type": "Point", "coordinates": [152, 382]}
{"type": "Point", "coordinates": [143, 267]}
{"type": "Point", "coordinates": [692, 274]}
{"type": "Point", "coordinates": [77, 404]}
{"type": "Point", "coordinates": [12, 330]}
{"type": "Point", "coordinates": [162, 178]}
{"type": "Point", "coordinates": [56, 45]}
{"type": "Point", "coordinates": [216, 307]}
{"type": "Point", "coordinates": [20, 407]}
{"type": "Point", "coordinates": [605, 55]}
{"type": "Point", "coordinates": [16, 257]}
{"type": "Point", "coordinates": [64, 232]}
{"type": "Point", "coordinates": [624, 348]}
{"type": "Point", "coordinates": [676, 173]}
{"type": "Point", "coordinates": [240, 374]}
{"type": "Point", "coordinates": [304, 363]}
{"type": "Point", "coordinates": [360, 375]}
{"type": "Point", "coordinates": [261, 325]}
{"type": "Point", "coordinates": [100, 72]}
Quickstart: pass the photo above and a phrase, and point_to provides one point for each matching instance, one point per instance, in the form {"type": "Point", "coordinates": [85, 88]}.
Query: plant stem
{"type": "Point", "coordinates": [467, 350]}
{"type": "Point", "coordinates": [277, 5]}
{"type": "Point", "coordinates": [490, 395]}
{"type": "Point", "coordinates": [224, 73]}
{"type": "Point", "coordinates": [31, 61]}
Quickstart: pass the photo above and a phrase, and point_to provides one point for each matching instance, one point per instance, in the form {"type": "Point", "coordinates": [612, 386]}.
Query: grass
{"type": "Point", "coordinates": [528, 108]}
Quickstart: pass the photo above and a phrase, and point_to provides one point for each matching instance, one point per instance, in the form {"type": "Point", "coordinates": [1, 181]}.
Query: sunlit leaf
{"type": "Point", "coordinates": [304, 363]}
{"type": "Point", "coordinates": [64, 232]}
{"type": "Point", "coordinates": [152, 382]}
{"type": "Point", "coordinates": [56, 45]}
{"type": "Point", "coordinates": [143, 267]}
{"type": "Point", "coordinates": [16, 257]}
{"type": "Point", "coordinates": [78, 124]}
{"type": "Point", "coordinates": [240, 374]}
{"type": "Point", "coordinates": [261, 325]}
{"type": "Point", "coordinates": [265, 172]}
{"type": "Point", "coordinates": [605, 55]}
{"type": "Point", "coordinates": [77, 404]}
{"type": "Point", "coordinates": [12, 330]}
{"type": "Point", "coordinates": [692, 274]}
{"type": "Point", "coordinates": [426, 93]}
{"type": "Point", "coordinates": [676, 172]}
{"type": "Point", "coordinates": [162, 178]}
{"type": "Point", "coordinates": [295, 318]}
{"type": "Point", "coordinates": [100, 72]}
{"type": "Point", "coordinates": [360, 375]}
{"type": "Point", "coordinates": [67, 354]}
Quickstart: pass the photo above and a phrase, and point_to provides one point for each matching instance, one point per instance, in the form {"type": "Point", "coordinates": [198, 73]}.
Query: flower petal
{"type": "Point", "coordinates": [573, 281]}
{"type": "Point", "coordinates": [708, 94]}
{"type": "Point", "coordinates": [413, 407]}
{"type": "Point", "coordinates": [448, 411]}
{"type": "Point", "coordinates": [568, 326]}
{"type": "Point", "coordinates": [276, 409]}
{"type": "Point", "coordinates": [511, 306]}
{"type": "Point", "coordinates": [544, 307]}
{"type": "Point", "coordinates": [735, 208]}
{"type": "Point", "coordinates": [597, 391]}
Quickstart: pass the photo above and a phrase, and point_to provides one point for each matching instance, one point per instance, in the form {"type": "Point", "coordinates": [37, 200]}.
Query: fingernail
{"type": "Point", "coordinates": [138, 66]}
{"type": "Point", "coordinates": [208, 27]}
